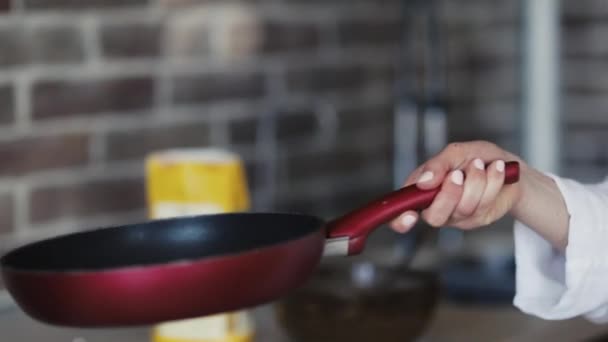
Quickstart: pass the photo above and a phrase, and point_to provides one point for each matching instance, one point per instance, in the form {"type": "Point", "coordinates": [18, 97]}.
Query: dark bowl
{"type": "Point", "coordinates": [385, 304]}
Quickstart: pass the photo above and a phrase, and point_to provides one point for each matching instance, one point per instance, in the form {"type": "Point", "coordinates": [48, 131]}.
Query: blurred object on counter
{"type": "Point", "coordinates": [194, 182]}
{"type": "Point", "coordinates": [482, 270]}
{"type": "Point", "coordinates": [474, 280]}
{"type": "Point", "coordinates": [360, 302]}
{"type": "Point", "coordinates": [185, 182]}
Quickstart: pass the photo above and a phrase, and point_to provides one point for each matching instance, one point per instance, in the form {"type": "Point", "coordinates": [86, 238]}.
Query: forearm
{"type": "Point", "coordinates": [542, 208]}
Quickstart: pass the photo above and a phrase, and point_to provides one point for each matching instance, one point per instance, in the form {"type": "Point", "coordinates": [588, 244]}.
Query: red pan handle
{"type": "Point", "coordinates": [358, 224]}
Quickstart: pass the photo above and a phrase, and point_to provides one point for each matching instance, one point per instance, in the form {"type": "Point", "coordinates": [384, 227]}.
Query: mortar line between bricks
{"type": "Point", "coordinates": [157, 4]}
{"type": "Point", "coordinates": [21, 210]}
{"type": "Point", "coordinates": [328, 121]}
{"type": "Point", "coordinates": [120, 69]}
{"type": "Point", "coordinates": [22, 104]}
{"type": "Point", "coordinates": [120, 14]}
{"type": "Point", "coordinates": [181, 114]}
{"type": "Point", "coordinates": [263, 11]}
{"type": "Point", "coordinates": [97, 149]}
{"type": "Point", "coordinates": [218, 133]}
{"type": "Point", "coordinates": [164, 82]}
{"type": "Point", "coordinates": [266, 140]}
{"type": "Point", "coordinates": [17, 6]}
{"type": "Point", "coordinates": [163, 89]}
{"type": "Point", "coordinates": [89, 26]}
{"type": "Point", "coordinates": [297, 12]}
{"type": "Point", "coordinates": [121, 121]}
{"type": "Point", "coordinates": [111, 171]}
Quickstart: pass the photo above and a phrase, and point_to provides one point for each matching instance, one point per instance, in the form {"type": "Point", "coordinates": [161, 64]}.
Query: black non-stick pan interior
{"type": "Point", "coordinates": [162, 241]}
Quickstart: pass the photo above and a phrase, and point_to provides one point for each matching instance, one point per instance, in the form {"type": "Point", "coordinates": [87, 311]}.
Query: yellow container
{"type": "Point", "coordinates": [185, 182]}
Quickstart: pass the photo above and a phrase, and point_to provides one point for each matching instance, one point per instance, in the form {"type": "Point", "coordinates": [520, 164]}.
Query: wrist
{"type": "Point", "coordinates": [525, 186]}
{"type": "Point", "coordinates": [541, 206]}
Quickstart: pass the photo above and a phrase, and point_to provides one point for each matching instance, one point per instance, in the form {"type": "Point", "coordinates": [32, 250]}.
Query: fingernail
{"type": "Point", "coordinates": [500, 166]}
{"type": "Point", "coordinates": [478, 163]}
{"type": "Point", "coordinates": [457, 177]}
{"type": "Point", "coordinates": [425, 177]}
{"type": "Point", "coordinates": [408, 220]}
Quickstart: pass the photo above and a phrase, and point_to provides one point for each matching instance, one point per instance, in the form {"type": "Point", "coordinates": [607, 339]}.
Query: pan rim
{"type": "Point", "coordinates": [6, 266]}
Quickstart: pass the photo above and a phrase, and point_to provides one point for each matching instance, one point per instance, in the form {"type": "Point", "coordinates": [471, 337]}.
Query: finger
{"type": "Point", "coordinates": [494, 183]}
{"type": "Point", "coordinates": [405, 222]}
{"type": "Point", "coordinates": [431, 174]}
{"type": "Point", "coordinates": [413, 177]}
{"type": "Point", "coordinates": [446, 200]}
{"type": "Point", "coordinates": [484, 150]}
{"type": "Point", "coordinates": [473, 190]}
{"type": "Point", "coordinates": [450, 158]}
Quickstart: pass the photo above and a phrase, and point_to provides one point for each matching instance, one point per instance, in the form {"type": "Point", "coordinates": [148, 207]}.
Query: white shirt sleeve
{"type": "Point", "coordinates": [555, 285]}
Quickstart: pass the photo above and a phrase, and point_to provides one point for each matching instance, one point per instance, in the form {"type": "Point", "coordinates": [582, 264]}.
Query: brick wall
{"type": "Point", "coordinates": [88, 88]}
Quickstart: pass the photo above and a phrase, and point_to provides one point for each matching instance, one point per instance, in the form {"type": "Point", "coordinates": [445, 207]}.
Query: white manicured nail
{"type": "Point", "coordinates": [425, 177]}
{"type": "Point", "coordinates": [408, 220]}
{"type": "Point", "coordinates": [457, 177]}
{"type": "Point", "coordinates": [478, 163]}
{"type": "Point", "coordinates": [500, 166]}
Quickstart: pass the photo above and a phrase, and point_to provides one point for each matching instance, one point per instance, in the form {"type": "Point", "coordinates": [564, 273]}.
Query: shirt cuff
{"type": "Point", "coordinates": [554, 285]}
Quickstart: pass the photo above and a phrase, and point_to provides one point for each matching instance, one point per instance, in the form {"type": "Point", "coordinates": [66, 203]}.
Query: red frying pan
{"type": "Point", "coordinates": [188, 267]}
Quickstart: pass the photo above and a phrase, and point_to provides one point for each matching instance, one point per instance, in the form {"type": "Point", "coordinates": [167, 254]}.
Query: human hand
{"type": "Point", "coordinates": [467, 202]}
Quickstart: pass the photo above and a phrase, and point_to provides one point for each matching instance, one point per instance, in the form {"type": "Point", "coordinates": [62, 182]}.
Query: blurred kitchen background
{"type": "Point", "coordinates": [330, 103]}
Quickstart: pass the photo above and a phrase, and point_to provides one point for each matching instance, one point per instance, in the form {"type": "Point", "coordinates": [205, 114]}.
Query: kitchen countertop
{"type": "Point", "coordinates": [451, 323]}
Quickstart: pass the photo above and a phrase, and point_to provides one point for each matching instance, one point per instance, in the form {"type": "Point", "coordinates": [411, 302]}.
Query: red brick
{"type": "Point", "coordinates": [131, 40]}
{"type": "Point", "coordinates": [66, 98]}
{"type": "Point", "coordinates": [90, 198]}
{"type": "Point", "coordinates": [288, 36]}
{"type": "Point", "coordinates": [54, 44]}
{"type": "Point", "coordinates": [7, 104]}
{"type": "Point", "coordinates": [325, 78]}
{"type": "Point", "coordinates": [243, 131]}
{"type": "Point", "coordinates": [136, 144]}
{"type": "Point", "coordinates": [12, 45]}
{"type": "Point", "coordinates": [377, 31]}
{"type": "Point", "coordinates": [297, 124]}
{"type": "Point", "coordinates": [363, 117]}
{"type": "Point", "coordinates": [40, 44]}
{"type": "Point", "coordinates": [217, 87]}
{"type": "Point", "coordinates": [5, 5]}
{"type": "Point", "coordinates": [27, 155]}
{"type": "Point", "coordinates": [339, 161]}
{"type": "Point", "coordinates": [7, 208]}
